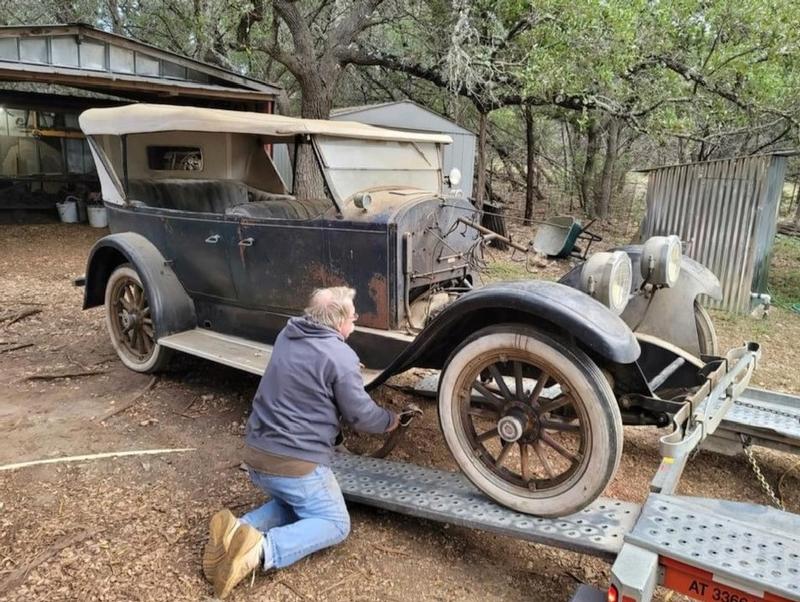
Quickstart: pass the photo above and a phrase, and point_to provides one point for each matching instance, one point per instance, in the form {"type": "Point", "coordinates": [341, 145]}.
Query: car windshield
{"type": "Point", "coordinates": [353, 165]}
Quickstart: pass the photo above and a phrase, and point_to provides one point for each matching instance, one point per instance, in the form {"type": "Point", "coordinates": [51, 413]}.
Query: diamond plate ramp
{"type": "Point", "coordinates": [450, 498]}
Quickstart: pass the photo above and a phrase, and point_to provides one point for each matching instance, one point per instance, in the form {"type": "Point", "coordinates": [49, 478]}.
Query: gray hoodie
{"type": "Point", "coordinates": [312, 379]}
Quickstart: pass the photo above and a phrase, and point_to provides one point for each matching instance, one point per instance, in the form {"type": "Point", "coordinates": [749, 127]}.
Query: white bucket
{"type": "Point", "coordinates": [68, 212]}
{"type": "Point", "coordinates": [98, 217]}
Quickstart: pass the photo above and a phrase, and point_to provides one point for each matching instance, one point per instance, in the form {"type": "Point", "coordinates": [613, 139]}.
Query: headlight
{"type": "Point", "coordinates": [455, 177]}
{"type": "Point", "coordinates": [661, 260]}
{"type": "Point", "coordinates": [362, 200]}
{"type": "Point", "coordinates": [607, 277]}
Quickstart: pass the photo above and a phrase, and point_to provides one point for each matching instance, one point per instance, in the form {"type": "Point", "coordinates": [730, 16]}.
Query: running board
{"type": "Point", "coordinates": [765, 418]}
{"type": "Point", "coordinates": [232, 351]}
{"type": "Point", "coordinates": [448, 497]}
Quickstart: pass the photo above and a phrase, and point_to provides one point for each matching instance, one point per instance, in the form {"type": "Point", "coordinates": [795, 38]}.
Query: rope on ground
{"type": "Point", "coordinates": [141, 452]}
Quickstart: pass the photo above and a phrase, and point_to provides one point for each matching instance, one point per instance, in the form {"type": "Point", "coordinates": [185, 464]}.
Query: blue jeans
{"type": "Point", "coordinates": [305, 514]}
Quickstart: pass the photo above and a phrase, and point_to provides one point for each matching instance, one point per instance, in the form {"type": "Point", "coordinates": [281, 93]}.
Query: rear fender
{"type": "Point", "coordinates": [171, 307]}
{"type": "Point", "coordinates": [547, 305]}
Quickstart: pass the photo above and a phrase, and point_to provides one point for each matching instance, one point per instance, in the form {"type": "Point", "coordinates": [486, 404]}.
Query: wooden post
{"type": "Point", "coordinates": [480, 185]}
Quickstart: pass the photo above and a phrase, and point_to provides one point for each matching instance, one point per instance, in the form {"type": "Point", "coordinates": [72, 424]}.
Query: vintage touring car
{"type": "Point", "coordinates": [211, 253]}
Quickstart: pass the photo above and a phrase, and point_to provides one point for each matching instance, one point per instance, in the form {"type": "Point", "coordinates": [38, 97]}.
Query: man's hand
{"type": "Point", "coordinates": [395, 423]}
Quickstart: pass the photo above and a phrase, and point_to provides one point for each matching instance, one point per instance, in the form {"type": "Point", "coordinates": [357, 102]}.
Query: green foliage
{"type": "Point", "coordinates": [784, 277]}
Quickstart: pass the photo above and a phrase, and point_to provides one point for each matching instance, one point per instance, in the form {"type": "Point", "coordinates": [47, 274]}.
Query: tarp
{"type": "Point", "coordinates": [142, 118]}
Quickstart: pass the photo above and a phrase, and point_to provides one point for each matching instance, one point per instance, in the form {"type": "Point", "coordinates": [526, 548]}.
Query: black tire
{"type": "Point", "coordinates": [706, 333]}
{"type": "Point", "coordinates": [577, 413]}
{"type": "Point", "coordinates": [130, 324]}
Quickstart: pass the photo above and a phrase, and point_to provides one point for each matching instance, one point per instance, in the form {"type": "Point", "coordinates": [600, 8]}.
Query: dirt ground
{"type": "Point", "coordinates": [134, 527]}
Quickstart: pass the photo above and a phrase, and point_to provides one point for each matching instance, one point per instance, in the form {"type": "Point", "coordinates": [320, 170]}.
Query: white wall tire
{"type": "Point", "coordinates": [588, 414]}
{"type": "Point", "coordinates": [706, 333]}
{"type": "Point", "coordinates": [130, 323]}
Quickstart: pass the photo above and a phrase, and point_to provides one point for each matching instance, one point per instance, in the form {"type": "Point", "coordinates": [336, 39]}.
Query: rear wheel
{"type": "Point", "coordinates": [532, 422]}
{"type": "Point", "coordinates": [130, 322]}
{"type": "Point", "coordinates": [706, 334]}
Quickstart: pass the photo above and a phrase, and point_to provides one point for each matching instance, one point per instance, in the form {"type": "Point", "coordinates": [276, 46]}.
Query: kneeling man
{"type": "Point", "coordinates": [312, 380]}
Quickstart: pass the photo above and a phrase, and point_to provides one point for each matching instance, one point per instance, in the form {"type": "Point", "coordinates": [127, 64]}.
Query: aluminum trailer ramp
{"type": "Point", "coordinates": [449, 497]}
{"type": "Point", "coordinates": [765, 418]}
{"type": "Point", "coordinates": [709, 549]}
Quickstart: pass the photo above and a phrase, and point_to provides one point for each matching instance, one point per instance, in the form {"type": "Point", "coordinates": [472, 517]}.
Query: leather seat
{"type": "Point", "coordinates": [229, 197]}
{"type": "Point", "coordinates": [207, 196]}
{"type": "Point", "coordinates": [283, 207]}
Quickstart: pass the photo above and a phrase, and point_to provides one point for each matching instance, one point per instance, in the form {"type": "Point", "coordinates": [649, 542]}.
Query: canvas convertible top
{"type": "Point", "coordinates": [141, 118]}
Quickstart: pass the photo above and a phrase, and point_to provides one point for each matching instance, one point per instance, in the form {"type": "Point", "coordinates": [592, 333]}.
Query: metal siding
{"type": "Point", "coordinates": [402, 115]}
{"type": "Point", "coordinates": [409, 116]}
{"type": "Point", "coordinates": [725, 210]}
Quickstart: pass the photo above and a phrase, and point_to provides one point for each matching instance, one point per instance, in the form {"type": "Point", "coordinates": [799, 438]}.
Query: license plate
{"type": "Point", "coordinates": [700, 585]}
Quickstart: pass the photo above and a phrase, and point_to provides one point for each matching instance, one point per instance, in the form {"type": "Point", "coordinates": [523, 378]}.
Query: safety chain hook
{"type": "Point", "coordinates": [751, 458]}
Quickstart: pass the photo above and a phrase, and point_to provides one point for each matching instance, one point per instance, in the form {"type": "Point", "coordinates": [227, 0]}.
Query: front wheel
{"type": "Point", "coordinates": [532, 422]}
{"type": "Point", "coordinates": [130, 322]}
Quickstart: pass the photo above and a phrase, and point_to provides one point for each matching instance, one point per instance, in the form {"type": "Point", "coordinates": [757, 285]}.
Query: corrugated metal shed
{"type": "Point", "coordinates": [725, 211]}
{"type": "Point", "coordinates": [405, 115]}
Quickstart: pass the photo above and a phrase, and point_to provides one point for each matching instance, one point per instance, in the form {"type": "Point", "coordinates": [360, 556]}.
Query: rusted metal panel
{"type": "Point", "coordinates": [725, 212]}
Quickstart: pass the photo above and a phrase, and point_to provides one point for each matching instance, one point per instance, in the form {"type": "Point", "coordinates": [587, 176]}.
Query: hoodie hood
{"type": "Point", "coordinates": [304, 327]}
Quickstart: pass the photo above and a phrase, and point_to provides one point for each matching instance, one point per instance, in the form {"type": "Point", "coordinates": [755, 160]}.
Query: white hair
{"type": "Point", "coordinates": [331, 306]}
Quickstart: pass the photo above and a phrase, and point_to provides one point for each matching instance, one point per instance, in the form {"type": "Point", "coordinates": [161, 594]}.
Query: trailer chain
{"type": "Point", "coordinates": [766, 487]}
{"type": "Point", "coordinates": [753, 406]}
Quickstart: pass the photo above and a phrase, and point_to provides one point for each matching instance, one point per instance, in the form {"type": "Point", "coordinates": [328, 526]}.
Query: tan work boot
{"type": "Point", "coordinates": [220, 532]}
{"type": "Point", "coordinates": [242, 558]}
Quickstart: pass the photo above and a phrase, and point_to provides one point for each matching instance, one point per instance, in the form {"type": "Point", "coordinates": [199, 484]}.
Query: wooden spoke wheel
{"type": "Point", "coordinates": [129, 321]}
{"type": "Point", "coordinates": [532, 422]}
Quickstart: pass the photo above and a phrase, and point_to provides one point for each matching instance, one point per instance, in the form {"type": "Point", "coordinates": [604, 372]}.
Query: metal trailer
{"type": "Point", "coordinates": [708, 549]}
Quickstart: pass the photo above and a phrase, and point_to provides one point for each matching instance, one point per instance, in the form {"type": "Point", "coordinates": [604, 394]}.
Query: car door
{"type": "Point", "coordinates": [199, 247]}
{"type": "Point", "coordinates": [277, 263]}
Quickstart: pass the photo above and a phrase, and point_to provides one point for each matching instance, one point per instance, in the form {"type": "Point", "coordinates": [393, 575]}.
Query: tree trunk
{"type": "Point", "coordinates": [587, 177]}
{"type": "Point", "coordinates": [316, 103]}
{"type": "Point", "coordinates": [603, 194]}
{"type": "Point", "coordinates": [530, 165]}
{"type": "Point", "coordinates": [480, 186]}
{"type": "Point", "coordinates": [116, 17]}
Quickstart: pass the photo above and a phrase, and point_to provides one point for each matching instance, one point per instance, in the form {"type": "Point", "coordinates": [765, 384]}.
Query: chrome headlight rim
{"type": "Point", "coordinates": [661, 260]}
{"type": "Point", "coordinates": [607, 277]}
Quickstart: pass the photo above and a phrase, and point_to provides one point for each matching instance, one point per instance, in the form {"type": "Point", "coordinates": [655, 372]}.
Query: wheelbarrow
{"type": "Point", "coordinates": [559, 237]}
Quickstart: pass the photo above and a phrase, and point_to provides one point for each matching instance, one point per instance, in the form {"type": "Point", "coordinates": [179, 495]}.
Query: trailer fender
{"type": "Point", "coordinates": [555, 308]}
{"type": "Point", "coordinates": [172, 308]}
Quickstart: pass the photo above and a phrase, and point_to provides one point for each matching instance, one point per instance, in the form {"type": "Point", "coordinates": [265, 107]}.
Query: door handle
{"type": "Point", "coordinates": [213, 239]}
{"type": "Point", "coordinates": [247, 242]}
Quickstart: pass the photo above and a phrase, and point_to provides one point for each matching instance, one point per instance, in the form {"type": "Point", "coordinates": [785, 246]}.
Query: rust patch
{"type": "Point", "coordinates": [379, 293]}
{"type": "Point", "coordinates": [318, 275]}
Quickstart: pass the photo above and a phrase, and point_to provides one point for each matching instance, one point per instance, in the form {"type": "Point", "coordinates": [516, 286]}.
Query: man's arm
{"type": "Point", "coordinates": [357, 407]}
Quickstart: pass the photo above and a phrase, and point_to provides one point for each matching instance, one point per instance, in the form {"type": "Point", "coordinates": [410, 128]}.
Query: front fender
{"type": "Point", "coordinates": [669, 314]}
{"type": "Point", "coordinates": [702, 279]}
{"type": "Point", "coordinates": [549, 305]}
{"type": "Point", "coordinates": [171, 307]}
